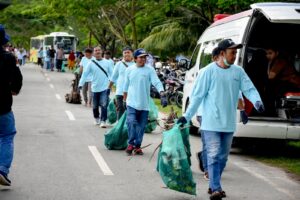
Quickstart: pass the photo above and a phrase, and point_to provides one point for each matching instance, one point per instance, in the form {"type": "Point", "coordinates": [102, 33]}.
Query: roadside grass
{"type": "Point", "coordinates": [167, 110]}
{"type": "Point", "coordinates": [285, 155]}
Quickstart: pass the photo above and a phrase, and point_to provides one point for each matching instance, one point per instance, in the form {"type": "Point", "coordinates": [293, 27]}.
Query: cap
{"type": "Point", "coordinates": [140, 52]}
{"type": "Point", "coordinates": [4, 38]}
{"type": "Point", "coordinates": [228, 44]}
{"type": "Point", "coordinates": [127, 48]}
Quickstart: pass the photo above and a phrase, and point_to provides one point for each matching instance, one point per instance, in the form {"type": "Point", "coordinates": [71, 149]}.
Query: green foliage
{"type": "Point", "coordinates": [164, 27]}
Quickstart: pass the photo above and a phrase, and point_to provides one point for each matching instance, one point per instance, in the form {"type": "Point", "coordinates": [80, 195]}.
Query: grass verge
{"type": "Point", "coordinates": [167, 110]}
{"type": "Point", "coordinates": [285, 156]}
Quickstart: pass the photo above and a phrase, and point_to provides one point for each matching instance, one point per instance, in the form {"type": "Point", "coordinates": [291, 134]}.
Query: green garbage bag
{"type": "Point", "coordinates": [173, 162]}
{"type": "Point", "coordinates": [152, 117]}
{"type": "Point", "coordinates": [116, 138]}
{"type": "Point", "coordinates": [111, 112]}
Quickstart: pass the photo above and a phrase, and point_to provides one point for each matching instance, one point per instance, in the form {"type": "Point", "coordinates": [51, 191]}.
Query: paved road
{"type": "Point", "coordinates": [59, 154]}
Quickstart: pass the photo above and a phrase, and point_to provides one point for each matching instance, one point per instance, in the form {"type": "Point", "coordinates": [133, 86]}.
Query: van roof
{"type": "Point", "coordinates": [275, 12]}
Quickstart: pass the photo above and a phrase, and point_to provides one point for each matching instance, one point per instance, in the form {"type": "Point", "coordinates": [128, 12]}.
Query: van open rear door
{"type": "Point", "coordinates": [280, 12]}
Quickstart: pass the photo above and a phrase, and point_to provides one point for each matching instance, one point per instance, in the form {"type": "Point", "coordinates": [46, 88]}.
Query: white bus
{"type": "Point", "coordinates": [56, 40]}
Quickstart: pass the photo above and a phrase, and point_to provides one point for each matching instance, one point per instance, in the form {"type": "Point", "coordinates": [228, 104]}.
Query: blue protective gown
{"type": "Point", "coordinates": [138, 81]}
{"type": "Point", "coordinates": [218, 90]}
{"type": "Point", "coordinates": [118, 75]}
{"type": "Point", "coordinates": [100, 81]}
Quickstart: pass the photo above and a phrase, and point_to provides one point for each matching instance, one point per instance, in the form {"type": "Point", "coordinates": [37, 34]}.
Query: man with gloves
{"type": "Point", "coordinates": [217, 88]}
{"type": "Point", "coordinates": [138, 80]}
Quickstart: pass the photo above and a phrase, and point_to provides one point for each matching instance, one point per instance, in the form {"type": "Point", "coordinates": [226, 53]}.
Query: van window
{"type": "Point", "coordinates": [205, 57]}
{"type": "Point", "coordinates": [195, 56]}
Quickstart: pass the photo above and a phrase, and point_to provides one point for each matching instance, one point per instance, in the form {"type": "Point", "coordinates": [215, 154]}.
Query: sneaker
{"type": "Point", "coordinates": [199, 158]}
{"type": "Point", "coordinates": [216, 196]}
{"type": "Point", "coordinates": [129, 149]}
{"type": "Point", "coordinates": [223, 193]}
{"type": "Point", "coordinates": [103, 124]}
{"type": "Point", "coordinates": [4, 179]}
{"type": "Point", "coordinates": [206, 177]}
{"type": "Point", "coordinates": [138, 151]}
{"type": "Point", "coordinates": [97, 121]}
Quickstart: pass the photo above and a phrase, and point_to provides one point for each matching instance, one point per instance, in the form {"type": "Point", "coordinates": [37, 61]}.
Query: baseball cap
{"type": "Point", "coordinates": [4, 38]}
{"type": "Point", "coordinates": [127, 48]}
{"type": "Point", "coordinates": [140, 52]}
{"type": "Point", "coordinates": [228, 44]}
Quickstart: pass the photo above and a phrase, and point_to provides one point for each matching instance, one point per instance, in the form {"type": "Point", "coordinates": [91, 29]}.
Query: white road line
{"type": "Point", "coordinates": [70, 115]}
{"type": "Point", "coordinates": [101, 162]}
{"type": "Point", "coordinates": [46, 74]}
{"type": "Point", "coordinates": [264, 178]}
{"type": "Point", "coordinates": [52, 86]}
{"type": "Point", "coordinates": [58, 96]}
{"type": "Point", "coordinates": [48, 79]}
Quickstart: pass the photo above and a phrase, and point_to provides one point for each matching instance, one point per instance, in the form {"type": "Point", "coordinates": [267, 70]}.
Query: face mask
{"type": "Point", "coordinates": [225, 62]}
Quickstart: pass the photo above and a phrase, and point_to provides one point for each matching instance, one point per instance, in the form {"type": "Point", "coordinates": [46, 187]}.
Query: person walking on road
{"type": "Point", "coordinates": [118, 78]}
{"type": "Point", "coordinates": [71, 60]}
{"type": "Point", "coordinates": [10, 84]}
{"type": "Point", "coordinates": [86, 89]}
{"type": "Point", "coordinates": [202, 155]}
{"type": "Point", "coordinates": [59, 58]}
{"type": "Point", "coordinates": [218, 87]}
{"type": "Point", "coordinates": [52, 57]}
{"type": "Point", "coordinates": [101, 72]}
{"type": "Point", "coordinates": [138, 80]}
{"type": "Point", "coordinates": [40, 57]}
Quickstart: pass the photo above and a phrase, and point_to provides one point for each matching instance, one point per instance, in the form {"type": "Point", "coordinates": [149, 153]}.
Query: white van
{"type": "Point", "coordinates": [265, 23]}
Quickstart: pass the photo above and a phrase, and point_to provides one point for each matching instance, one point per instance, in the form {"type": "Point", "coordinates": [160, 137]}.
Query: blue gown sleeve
{"type": "Point", "coordinates": [199, 91]}
{"type": "Point", "coordinates": [115, 73]}
{"type": "Point", "coordinates": [84, 75]}
{"type": "Point", "coordinates": [126, 83]}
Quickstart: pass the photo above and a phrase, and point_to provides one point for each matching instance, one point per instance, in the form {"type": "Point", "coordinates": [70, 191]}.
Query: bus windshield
{"type": "Point", "coordinates": [66, 42]}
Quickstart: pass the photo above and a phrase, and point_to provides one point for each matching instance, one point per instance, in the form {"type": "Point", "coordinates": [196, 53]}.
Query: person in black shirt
{"type": "Point", "coordinates": [10, 84]}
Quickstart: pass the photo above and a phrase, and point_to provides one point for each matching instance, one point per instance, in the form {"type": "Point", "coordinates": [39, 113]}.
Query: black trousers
{"type": "Point", "coordinates": [120, 106]}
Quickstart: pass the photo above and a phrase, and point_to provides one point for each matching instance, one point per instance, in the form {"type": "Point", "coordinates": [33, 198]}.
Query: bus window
{"type": "Point", "coordinates": [49, 41]}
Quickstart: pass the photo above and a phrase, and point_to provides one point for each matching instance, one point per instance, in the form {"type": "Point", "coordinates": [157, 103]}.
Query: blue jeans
{"type": "Point", "coordinates": [7, 134]}
{"type": "Point", "coordinates": [136, 123]}
{"type": "Point", "coordinates": [217, 146]}
{"type": "Point", "coordinates": [100, 99]}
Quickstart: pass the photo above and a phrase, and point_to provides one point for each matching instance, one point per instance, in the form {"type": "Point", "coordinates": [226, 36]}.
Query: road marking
{"type": "Point", "coordinates": [70, 115]}
{"type": "Point", "coordinates": [264, 178]}
{"type": "Point", "coordinates": [58, 96]}
{"type": "Point", "coordinates": [52, 86]}
{"type": "Point", "coordinates": [48, 79]}
{"type": "Point", "coordinates": [101, 162]}
{"type": "Point", "coordinates": [46, 74]}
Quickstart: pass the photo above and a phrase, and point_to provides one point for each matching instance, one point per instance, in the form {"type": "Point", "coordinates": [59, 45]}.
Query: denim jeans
{"type": "Point", "coordinates": [136, 123]}
{"type": "Point", "coordinates": [7, 133]}
{"type": "Point", "coordinates": [100, 99]}
{"type": "Point", "coordinates": [120, 106]}
{"type": "Point", "coordinates": [217, 146]}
